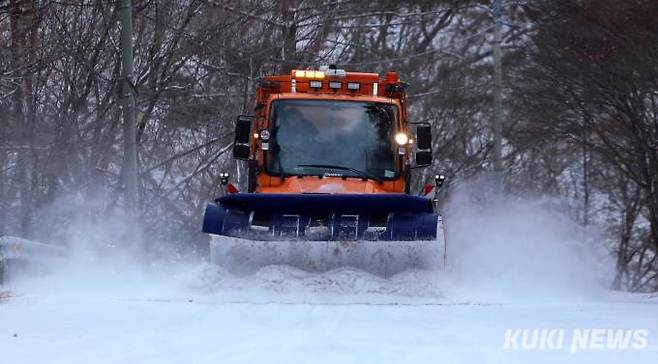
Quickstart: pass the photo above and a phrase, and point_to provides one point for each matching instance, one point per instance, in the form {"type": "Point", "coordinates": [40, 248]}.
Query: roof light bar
{"type": "Point", "coordinates": [336, 72]}
{"type": "Point", "coordinates": [308, 74]}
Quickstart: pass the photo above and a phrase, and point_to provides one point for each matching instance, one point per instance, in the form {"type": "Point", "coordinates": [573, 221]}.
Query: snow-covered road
{"type": "Point", "coordinates": [287, 316]}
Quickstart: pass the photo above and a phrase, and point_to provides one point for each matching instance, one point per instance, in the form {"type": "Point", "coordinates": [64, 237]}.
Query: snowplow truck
{"type": "Point", "coordinates": [329, 155]}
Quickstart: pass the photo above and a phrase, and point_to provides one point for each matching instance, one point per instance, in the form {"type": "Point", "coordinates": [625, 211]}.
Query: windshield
{"type": "Point", "coordinates": [342, 138]}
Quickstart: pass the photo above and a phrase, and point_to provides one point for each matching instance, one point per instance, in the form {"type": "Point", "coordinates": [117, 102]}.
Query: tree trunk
{"type": "Point", "coordinates": [24, 27]}
{"type": "Point", "coordinates": [130, 177]}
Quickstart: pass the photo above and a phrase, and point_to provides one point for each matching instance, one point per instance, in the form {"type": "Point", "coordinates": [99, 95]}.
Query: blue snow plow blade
{"type": "Point", "coordinates": [322, 217]}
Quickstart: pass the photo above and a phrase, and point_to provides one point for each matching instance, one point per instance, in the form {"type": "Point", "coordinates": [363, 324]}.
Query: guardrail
{"type": "Point", "coordinates": [18, 252]}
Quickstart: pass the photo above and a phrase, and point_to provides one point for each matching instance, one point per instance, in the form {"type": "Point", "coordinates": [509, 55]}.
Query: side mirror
{"type": "Point", "coordinates": [423, 158]}
{"type": "Point", "coordinates": [424, 145]}
{"type": "Point", "coordinates": [241, 145]}
{"type": "Point", "coordinates": [424, 137]}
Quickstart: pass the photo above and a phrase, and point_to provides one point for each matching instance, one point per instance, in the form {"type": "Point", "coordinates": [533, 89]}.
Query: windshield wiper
{"type": "Point", "coordinates": [353, 170]}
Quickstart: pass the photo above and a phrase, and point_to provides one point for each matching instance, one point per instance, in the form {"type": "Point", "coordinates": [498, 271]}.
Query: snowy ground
{"type": "Point", "coordinates": [518, 266]}
{"type": "Point", "coordinates": [282, 315]}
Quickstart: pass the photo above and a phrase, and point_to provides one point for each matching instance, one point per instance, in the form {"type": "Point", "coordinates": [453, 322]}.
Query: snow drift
{"type": "Point", "coordinates": [520, 248]}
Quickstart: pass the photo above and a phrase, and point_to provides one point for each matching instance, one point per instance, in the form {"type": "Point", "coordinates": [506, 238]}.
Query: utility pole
{"type": "Point", "coordinates": [498, 99]}
{"type": "Point", "coordinates": [289, 51]}
{"type": "Point", "coordinates": [128, 105]}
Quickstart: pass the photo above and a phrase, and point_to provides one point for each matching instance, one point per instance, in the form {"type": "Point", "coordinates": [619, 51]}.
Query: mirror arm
{"type": "Point", "coordinates": [407, 178]}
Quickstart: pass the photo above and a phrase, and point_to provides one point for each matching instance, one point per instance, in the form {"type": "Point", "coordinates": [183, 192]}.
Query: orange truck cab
{"type": "Point", "coordinates": [331, 131]}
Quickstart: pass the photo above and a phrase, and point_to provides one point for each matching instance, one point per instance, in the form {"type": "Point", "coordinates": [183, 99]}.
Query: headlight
{"type": "Point", "coordinates": [401, 139]}
{"type": "Point", "coordinates": [265, 135]}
